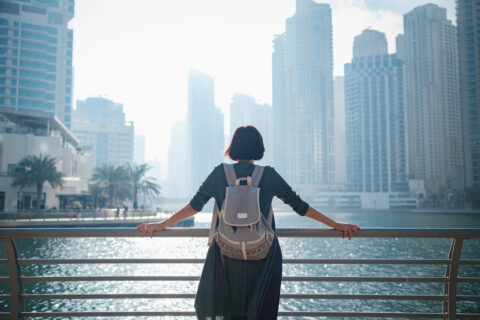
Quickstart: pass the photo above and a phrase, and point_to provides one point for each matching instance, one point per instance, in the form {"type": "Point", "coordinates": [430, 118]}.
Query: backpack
{"type": "Point", "coordinates": [243, 232]}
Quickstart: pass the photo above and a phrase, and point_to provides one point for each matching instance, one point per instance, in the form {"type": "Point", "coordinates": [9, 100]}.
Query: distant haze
{"type": "Point", "coordinates": [139, 52]}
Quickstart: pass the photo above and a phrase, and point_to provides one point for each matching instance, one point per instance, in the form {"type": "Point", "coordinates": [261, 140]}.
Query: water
{"type": "Point", "coordinates": [291, 248]}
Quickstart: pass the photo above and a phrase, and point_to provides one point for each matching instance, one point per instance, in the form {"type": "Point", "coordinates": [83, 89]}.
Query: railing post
{"type": "Point", "coordinates": [451, 272]}
{"type": "Point", "coordinates": [14, 272]}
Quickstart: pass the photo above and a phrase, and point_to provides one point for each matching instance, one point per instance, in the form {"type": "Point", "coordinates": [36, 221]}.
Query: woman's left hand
{"type": "Point", "coordinates": [347, 228]}
{"type": "Point", "coordinates": [148, 228]}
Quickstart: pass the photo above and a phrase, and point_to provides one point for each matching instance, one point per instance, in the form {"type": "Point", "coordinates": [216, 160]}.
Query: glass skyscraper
{"type": "Point", "coordinates": [468, 24]}
{"type": "Point", "coordinates": [432, 90]}
{"type": "Point", "coordinates": [375, 117]}
{"type": "Point", "coordinates": [36, 57]}
{"type": "Point", "coordinates": [303, 96]}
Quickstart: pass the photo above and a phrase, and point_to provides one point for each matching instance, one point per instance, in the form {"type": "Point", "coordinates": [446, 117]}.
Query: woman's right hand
{"type": "Point", "coordinates": [347, 228]}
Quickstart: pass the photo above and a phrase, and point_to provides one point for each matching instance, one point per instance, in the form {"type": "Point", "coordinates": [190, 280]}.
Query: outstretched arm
{"type": "Point", "coordinates": [346, 228]}
{"type": "Point", "coordinates": [184, 213]}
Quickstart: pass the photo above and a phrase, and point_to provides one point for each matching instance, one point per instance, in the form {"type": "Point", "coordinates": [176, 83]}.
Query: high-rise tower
{"type": "Point", "coordinates": [36, 57]}
{"type": "Point", "coordinates": [468, 24]}
{"type": "Point", "coordinates": [303, 96]}
{"type": "Point", "coordinates": [432, 99]}
{"type": "Point", "coordinates": [375, 118]}
{"type": "Point", "coordinates": [205, 133]}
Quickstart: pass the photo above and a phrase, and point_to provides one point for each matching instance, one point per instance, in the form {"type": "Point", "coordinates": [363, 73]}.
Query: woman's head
{"type": "Point", "coordinates": [246, 144]}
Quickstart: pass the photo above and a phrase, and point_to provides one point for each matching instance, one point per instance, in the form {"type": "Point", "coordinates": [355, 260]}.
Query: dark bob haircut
{"type": "Point", "coordinates": [247, 144]}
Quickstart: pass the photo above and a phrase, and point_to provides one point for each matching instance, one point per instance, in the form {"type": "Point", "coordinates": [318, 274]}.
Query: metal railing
{"type": "Point", "coordinates": [449, 298]}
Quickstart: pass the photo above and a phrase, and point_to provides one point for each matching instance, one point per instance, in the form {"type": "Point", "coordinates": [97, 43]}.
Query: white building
{"type": "Point", "coordinates": [36, 49]}
{"type": "Point", "coordinates": [244, 110]}
{"type": "Point", "coordinates": [35, 135]}
{"type": "Point", "coordinates": [303, 96]}
{"type": "Point", "coordinates": [100, 125]}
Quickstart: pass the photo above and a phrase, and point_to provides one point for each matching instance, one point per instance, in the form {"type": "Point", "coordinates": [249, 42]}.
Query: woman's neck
{"type": "Point", "coordinates": [249, 161]}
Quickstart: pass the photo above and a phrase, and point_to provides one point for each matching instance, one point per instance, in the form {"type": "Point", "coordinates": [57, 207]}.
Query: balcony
{"type": "Point", "coordinates": [447, 300]}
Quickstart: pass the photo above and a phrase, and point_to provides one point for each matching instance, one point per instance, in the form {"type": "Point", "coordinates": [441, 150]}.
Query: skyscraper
{"type": "Point", "coordinates": [177, 163]}
{"type": "Point", "coordinates": [100, 125]}
{"type": "Point", "coordinates": [36, 57]}
{"type": "Point", "coordinates": [370, 43]}
{"type": "Point", "coordinates": [303, 95]}
{"type": "Point", "coordinates": [244, 110]}
{"type": "Point", "coordinates": [205, 128]}
{"type": "Point", "coordinates": [468, 24]}
{"type": "Point", "coordinates": [375, 124]}
{"type": "Point", "coordinates": [339, 105]}
{"type": "Point", "coordinates": [432, 99]}
{"type": "Point", "coordinates": [139, 149]}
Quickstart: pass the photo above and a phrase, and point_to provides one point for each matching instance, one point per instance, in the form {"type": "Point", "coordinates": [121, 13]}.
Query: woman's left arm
{"type": "Point", "coordinates": [150, 228]}
{"type": "Point", "coordinates": [346, 228]}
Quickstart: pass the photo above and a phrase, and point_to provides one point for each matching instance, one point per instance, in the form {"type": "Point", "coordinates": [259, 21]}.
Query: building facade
{"type": "Point", "coordinates": [205, 128]}
{"type": "Point", "coordinates": [468, 25]}
{"type": "Point", "coordinates": [340, 138]}
{"type": "Point", "coordinates": [36, 57]}
{"type": "Point", "coordinates": [139, 149]}
{"type": "Point", "coordinates": [178, 163]}
{"type": "Point", "coordinates": [429, 49]}
{"type": "Point", "coordinates": [375, 120]}
{"type": "Point", "coordinates": [35, 135]}
{"type": "Point", "coordinates": [303, 96]}
{"type": "Point", "coordinates": [100, 125]}
{"type": "Point", "coordinates": [244, 110]}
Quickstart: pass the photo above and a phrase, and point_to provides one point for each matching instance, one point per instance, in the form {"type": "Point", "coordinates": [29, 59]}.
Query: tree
{"type": "Point", "coordinates": [114, 180]}
{"type": "Point", "coordinates": [97, 192]}
{"type": "Point", "coordinates": [140, 183]}
{"type": "Point", "coordinates": [35, 171]}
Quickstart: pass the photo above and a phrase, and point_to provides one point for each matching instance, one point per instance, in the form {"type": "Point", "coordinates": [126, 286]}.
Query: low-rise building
{"type": "Point", "coordinates": [29, 134]}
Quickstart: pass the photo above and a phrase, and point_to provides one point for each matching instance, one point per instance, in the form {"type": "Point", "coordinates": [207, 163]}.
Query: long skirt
{"type": "Point", "coordinates": [231, 289]}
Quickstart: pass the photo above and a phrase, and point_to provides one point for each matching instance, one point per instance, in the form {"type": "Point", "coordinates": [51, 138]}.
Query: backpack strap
{"type": "Point", "coordinates": [213, 225]}
{"type": "Point", "coordinates": [257, 175]}
{"type": "Point", "coordinates": [230, 174]}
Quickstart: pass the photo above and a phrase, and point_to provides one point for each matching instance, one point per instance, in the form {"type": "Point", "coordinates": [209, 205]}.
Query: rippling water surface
{"type": "Point", "coordinates": [291, 248]}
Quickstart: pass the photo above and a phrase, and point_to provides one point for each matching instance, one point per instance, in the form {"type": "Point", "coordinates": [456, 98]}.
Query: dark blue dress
{"type": "Point", "coordinates": [237, 289]}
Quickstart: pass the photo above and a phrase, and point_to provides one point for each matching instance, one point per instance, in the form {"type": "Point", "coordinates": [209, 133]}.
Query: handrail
{"type": "Point", "coordinates": [448, 299]}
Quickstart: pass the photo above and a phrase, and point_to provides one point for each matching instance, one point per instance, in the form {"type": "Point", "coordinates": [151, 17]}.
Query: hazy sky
{"type": "Point", "coordinates": [139, 52]}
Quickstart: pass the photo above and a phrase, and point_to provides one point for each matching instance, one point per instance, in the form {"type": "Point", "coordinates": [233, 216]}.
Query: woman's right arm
{"type": "Point", "coordinates": [183, 214]}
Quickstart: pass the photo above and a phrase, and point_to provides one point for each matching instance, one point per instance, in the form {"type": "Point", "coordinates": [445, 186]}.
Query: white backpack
{"type": "Point", "coordinates": [243, 232]}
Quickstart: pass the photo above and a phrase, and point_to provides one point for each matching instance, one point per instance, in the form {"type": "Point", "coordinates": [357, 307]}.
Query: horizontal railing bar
{"type": "Point", "coordinates": [69, 296]}
{"type": "Point", "coordinates": [196, 232]}
{"type": "Point", "coordinates": [196, 278]}
{"type": "Point", "coordinates": [110, 278]}
{"type": "Point", "coordinates": [3, 261]}
{"type": "Point", "coordinates": [182, 261]}
{"type": "Point", "coordinates": [5, 297]}
{"type": "Point", "coordinates": [4, 279]}
{"type": "Point", "coordinates": [281, 313]}
{"type": "Point", "coordinates": [366, 261]}
{"type": "Point", "coordinates": [106, 261]}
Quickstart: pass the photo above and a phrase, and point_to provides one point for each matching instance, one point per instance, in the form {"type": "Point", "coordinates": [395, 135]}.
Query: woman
{"type": "Point", "coordinates": [233, 289]}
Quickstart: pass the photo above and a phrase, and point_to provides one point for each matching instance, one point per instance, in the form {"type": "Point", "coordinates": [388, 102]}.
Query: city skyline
{"type": "Point", "coordinates": [156, 65]}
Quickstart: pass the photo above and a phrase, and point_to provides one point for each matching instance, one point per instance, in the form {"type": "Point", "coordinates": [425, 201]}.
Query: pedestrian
{"type": "Point", "coordinates": [125, 210]}
{"type": "Point", "coordinates": [237, 289]}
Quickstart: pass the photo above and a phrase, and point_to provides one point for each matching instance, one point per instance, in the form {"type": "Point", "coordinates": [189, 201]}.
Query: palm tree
{"type": "Point", "coordinates": [97, 192]}
{"type": "Point", "coordinates": [114, 180]}
{"type": "Point", "coordinates": [140, 183]}
{"type": "Point", "coordinates": [35, 171]}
